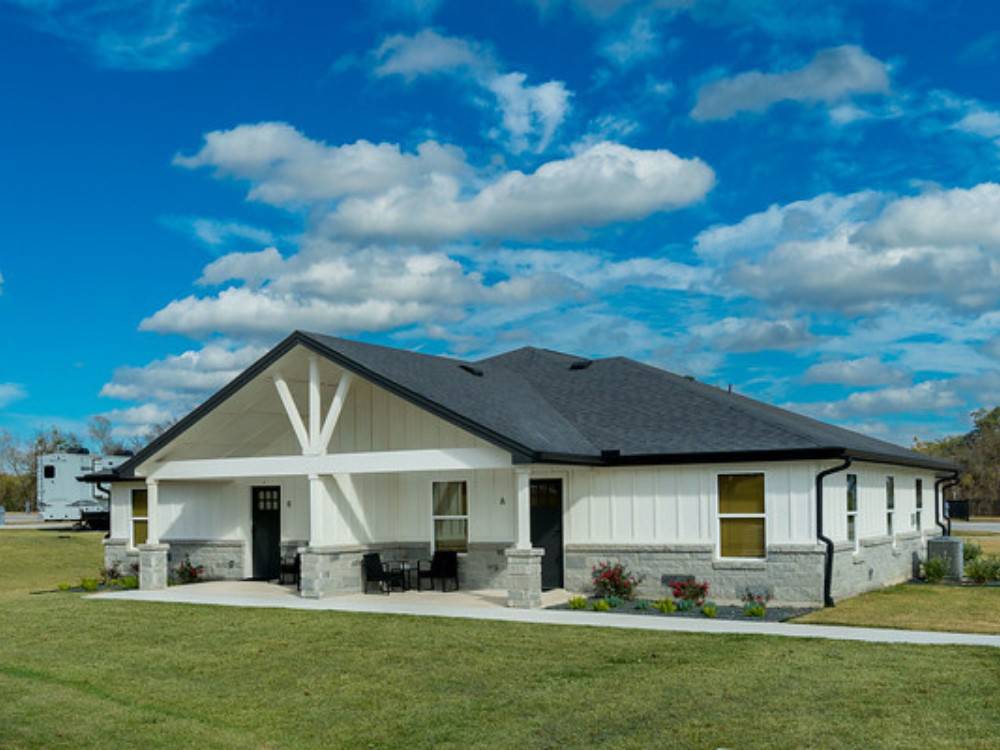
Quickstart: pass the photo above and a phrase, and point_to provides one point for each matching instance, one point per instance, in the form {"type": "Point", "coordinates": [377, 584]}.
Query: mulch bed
{"type": "Point", "coordinates": [774, 614]}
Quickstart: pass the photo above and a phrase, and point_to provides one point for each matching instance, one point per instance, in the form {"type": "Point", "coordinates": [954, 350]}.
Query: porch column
{"type": "Point", "coordinates": [524, 564]}
{"type": "Point", "coordinates": [153, 555]}
{"type": "Point", "coordinates": [523, 512]}
{"type": "Point", "coordinates": [152, 511]}
{"type": "Point", "coordinates": [316, 508]}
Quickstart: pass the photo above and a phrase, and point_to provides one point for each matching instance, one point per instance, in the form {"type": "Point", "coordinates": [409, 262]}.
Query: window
{"type": "Point", "coordinates": [140, 517]}
{"type": "Point", "coordinates": [741, 515]}
{"type": "Point", "coordinates": [49, 472]}
{"type": "Point", "coordinates": [852, 509]}
{"type": "Point", "coordinates": [918, 521]}
{"type": "Point", "coordinates": [890, 504]}
{"type": "Point", "coordinates": [451, 516]}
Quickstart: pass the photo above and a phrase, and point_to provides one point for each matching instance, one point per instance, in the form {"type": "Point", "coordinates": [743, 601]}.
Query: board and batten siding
{"type": "Point", "coordinates": [679, 504]}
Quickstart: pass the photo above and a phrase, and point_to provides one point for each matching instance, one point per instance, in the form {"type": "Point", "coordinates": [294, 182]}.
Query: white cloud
{"type": "Point", "coordinates": [215, 232]}
{"type": "Point", "coordinates": [428, 52]}
{"type": "Point", "coordinates": [865, 252]}
{"type": "Point", "coordinates": [754, 335]}
{"type": "Point", "coordinates": [928, 396]}
{"type": "Point", "coordinates": [985, 123]}
{"type": "Point", "coordinates": [941, 219]}
{"type": "Point", "coordinates": [530, 114]}
{"type": "Point", "coordinates": [288, 168]}
{"type": "Point", "coordinates": [252, 268]}
{"type": "Point", "coordinates": [169, 387]}
{"type": "Point", "coordinates": [797, 221]}
{"type": "Point", "coordinates": [864, 371]}
{"type": "Point", "coordinates": [603, 184]}
{"type": "Point", "coordinates": [833, 75]}
{"type": "Point", "coordinates": [11, 392]}
{"type": "Point", "coordinates": [637, 43]}
{"type": "Point", "coordinates": [135, 34]}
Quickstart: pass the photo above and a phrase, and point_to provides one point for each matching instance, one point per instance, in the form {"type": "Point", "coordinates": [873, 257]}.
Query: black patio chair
{"type": "Point", "coordinates": [442, 567]}
{"type": "Point", "coordinates": [291, 571]}
{"type": "Point", "coordinates": [375, 571]}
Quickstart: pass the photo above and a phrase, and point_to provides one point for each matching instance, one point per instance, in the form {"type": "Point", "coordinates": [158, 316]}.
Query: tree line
{"type": "Point", "coordinates": [977, 452]}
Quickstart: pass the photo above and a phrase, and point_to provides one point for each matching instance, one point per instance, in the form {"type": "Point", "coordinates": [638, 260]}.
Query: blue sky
{"type": "Point", "coordinates": [798, 199]}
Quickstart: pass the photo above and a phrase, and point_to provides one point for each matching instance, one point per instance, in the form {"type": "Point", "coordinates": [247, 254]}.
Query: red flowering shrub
{"type": "Point", "coordinates": [690, 590]}
{"type": "Point", "coordinates": [614, 579]}
{"type": "Point", "coordinates": [188, 573]}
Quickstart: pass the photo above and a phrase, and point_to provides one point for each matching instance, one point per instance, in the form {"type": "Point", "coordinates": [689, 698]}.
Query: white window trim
{"type": "Point", "coordinates": [132, 518]}
{"type": "Point", "coordinates": [918, 503]}
{"type": "Point", "coordinates": [467, 518]}
{"type": "Point", "coordinates": [720, 516]}
{"type": "Point", "coordinates": [852, 513]}
{"type": "Point", "coordinates": [890, 513]}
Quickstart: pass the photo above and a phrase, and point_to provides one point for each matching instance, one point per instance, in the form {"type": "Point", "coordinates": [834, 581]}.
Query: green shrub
{"type": "Point", "coordinates": [578, 602]}
{"type": "Point", "coordinates": [666, 606]}
{"type": "Point", "coordinates": [710, 609]}
{"type": "Point", "coordinates": [643, 604]}
{"type": "Point", "coordinates": [754, 610]}
{"type": "Point", "coordinates": [971, 551]}
{"type": "Point", "coordinates": [614, 601]}
{"type": "Point", "coordinates": [64, 587]}
{"type": "Point", "coordinates": [89, 584]}
{"type": "Point", "coordinates": [935, 569]}
{"type": "Point", "coordinates": [601, 605]}
{"type": "Point", "coordinates": [983, 569]}
{"type": "Point", "coordinates": [684, 605]}
{"type": "Point", "coordinates": [128, 582]}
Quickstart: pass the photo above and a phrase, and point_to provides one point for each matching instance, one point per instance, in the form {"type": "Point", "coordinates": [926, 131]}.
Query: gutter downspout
{"type": "Point", "coordinates": [828, 559]}
{"type": "Point", "coordinates": [939, 486]}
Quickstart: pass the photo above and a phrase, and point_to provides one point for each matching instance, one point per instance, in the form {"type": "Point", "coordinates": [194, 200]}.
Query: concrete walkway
{"type": "Point", "coordinates": [487, 605]}
{"type": "Point", "coordinates": [992, 527]}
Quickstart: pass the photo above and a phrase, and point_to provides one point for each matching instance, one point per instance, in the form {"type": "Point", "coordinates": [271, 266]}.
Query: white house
{"type": "Point", "coordinates": [533, 465]}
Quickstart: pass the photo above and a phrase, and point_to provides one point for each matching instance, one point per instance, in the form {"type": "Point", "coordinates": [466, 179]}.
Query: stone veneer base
{"type": "Point", "coordinates": [793, 574]}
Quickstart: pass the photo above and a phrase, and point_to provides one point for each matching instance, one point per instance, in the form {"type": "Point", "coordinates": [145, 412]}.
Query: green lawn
{"type": "Point", "coordinates": [914, 606]}
{"type": "Point", "coordinates": [990, 542]}
{"type": "Point", "coordinates": [77, 673]}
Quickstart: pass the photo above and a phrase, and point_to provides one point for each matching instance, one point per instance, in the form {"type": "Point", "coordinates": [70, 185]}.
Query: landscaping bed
{"type": "Point", "coordinates": [643, 607]}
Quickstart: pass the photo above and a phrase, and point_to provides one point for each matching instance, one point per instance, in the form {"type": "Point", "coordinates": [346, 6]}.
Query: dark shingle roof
{"type": "Point", "coordinates": [549, 406]}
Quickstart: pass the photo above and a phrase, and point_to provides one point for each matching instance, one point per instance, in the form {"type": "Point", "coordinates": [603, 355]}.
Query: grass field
{"type": "Point", "coordinates": [990, 542]}
{"type": "Point", "coordinates": [77, 673]}
{"type": "Point", "coordinates": [918, 607]}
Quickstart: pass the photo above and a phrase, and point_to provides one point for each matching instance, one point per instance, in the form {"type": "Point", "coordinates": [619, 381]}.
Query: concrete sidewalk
{"type": "Point", "coordinates": [464, 605]}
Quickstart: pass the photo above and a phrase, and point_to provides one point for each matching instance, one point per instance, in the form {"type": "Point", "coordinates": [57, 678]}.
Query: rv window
{"type": "Point", "coordinates": [49, 472]}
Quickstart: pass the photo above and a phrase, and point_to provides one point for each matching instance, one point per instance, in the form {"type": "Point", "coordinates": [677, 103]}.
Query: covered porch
{"type": "Point", "coordinates": [439, 489]}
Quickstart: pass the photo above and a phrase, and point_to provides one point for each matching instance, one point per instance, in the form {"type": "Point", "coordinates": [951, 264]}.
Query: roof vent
{"type": "Point", "coordinates": [472, 370]}
{"type": "Point", "coordinates": [581, 364]}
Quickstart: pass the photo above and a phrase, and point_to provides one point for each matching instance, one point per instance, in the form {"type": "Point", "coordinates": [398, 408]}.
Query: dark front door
{"type": "Point", "coordinates": [266, 532]}
{"type": "Point", "coordinates": [546, 528]}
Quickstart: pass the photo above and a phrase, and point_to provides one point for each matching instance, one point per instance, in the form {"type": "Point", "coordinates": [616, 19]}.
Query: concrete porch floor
{"type": "Point", "coordinates": [260, 594]}
{"type": "Point", "coordinates": [489, 605]}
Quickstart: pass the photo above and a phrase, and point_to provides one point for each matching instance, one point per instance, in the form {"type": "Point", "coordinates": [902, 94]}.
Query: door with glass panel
{"type": "Point", "coordinates": [266, 532]}
{"type": "Point", "coordinates": [547, 529]}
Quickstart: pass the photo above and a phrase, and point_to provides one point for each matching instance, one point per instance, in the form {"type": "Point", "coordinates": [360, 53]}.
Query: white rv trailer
{"type": "Point", "coordinates": [61, 497]}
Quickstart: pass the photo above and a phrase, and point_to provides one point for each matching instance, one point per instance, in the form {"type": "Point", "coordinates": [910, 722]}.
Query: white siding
{"type": "Point", "coordinates": [678, 504]}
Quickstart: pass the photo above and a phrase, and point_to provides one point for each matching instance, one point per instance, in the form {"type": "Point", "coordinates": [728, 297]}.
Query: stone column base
{"type": "Point", "coordinates": [330, 570]}
{"type": "Point", "coordinates": [153, 566]}
{"type": "Point", "coordinates": [524, 577]}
